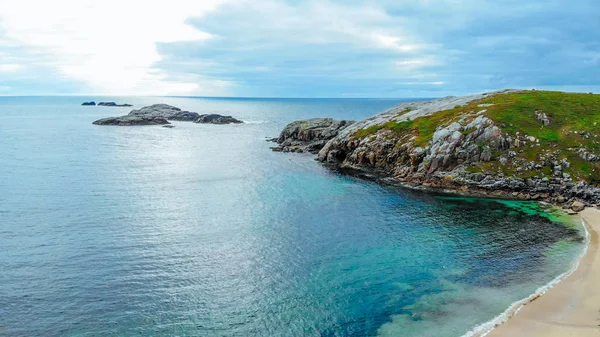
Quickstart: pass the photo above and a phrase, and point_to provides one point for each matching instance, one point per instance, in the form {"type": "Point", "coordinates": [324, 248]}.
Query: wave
{"type": "Point", "coordinates": [489, 326]}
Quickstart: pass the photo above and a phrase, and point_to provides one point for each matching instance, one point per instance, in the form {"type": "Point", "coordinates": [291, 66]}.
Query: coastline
{"type": "Point", "coordinates": [517, 320]}
{"type": "Point", "coordinates": [567, 306]}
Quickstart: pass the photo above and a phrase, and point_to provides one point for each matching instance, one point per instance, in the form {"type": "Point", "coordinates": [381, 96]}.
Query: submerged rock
{"type": "Point", "coordinates": [91, 103]}
{"type": "Point", "coordinates": [309, 135]}
{"type": "Point", "coordinates": [216, 119]}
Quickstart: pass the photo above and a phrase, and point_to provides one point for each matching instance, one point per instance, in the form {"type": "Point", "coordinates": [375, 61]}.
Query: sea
{"type": "Point", "coordinates": [202, 230]}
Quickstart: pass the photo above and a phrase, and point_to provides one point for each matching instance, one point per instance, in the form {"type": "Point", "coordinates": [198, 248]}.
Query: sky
{"type": "Point", "coordinates": [294, 48]}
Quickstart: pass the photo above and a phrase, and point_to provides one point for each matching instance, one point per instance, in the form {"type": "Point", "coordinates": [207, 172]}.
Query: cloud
{"type": "Point", "coordinates": [309, 48]}
{"type": "Point", "coordinates": [10, 67]}
{"type": "Point", "coordinates": [109, 46]}
{"type": "Point", "coordinates": [306, 48]}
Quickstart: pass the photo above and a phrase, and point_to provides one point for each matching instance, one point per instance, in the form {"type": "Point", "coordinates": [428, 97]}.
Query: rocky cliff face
{"type": "Point", "coordinates": [469, 144]}
{"type": "Point", "coordinates": [309, 135]}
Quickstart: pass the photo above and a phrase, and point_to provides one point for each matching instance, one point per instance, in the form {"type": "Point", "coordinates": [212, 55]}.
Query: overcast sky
{"type": "Point", "coordinates": [265, 48]}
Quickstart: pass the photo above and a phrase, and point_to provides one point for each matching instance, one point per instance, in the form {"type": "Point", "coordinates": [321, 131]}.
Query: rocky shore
{"type": "Point", "coordinates": [309, 135]}
{"type": "Point", "coordinates": [159, 114]}
{"type": "Point", "coordinates": [509, 144]}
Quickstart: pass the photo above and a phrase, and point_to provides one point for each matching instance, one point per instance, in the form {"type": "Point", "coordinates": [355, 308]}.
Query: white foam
{"type": "Point", "coordinates": [487, 327]}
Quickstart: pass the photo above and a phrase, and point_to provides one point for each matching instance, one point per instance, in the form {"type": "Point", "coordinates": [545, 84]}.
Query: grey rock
{"type": "Point", "coordinates": [577, 206]}
{"type": "Point", "coordinates": [113, 104]}
{"type": "Point", "coordinates": [542, 117]}
{"type": "Point", "coordinates": [157, 113]}
{"type": "Point", "coordinates": [131, 120]}
{"type": "Point", "coordinates": [311, 135]}
{"type": "Point", "coordinates": [216, 119]}
{"type": "Point", "coordinates": [165, 111]}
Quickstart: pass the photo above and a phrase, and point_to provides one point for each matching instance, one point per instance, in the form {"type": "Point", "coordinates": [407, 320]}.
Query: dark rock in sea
{"type": "Point", "coordinates": [156, 113]}
{"type": "Point", "coordinates": [216, 119]}
{"type": "Point", "coordinates": [309, 135]}
{"type": "Point", "coordinates": [168, 126]}
{"type": "Point", "coordinates": [131, 120]}
{"type": "Point", "coordinates": [113, 104]}
{"type": "Point", "coordinates": [92, 103]}
{"type": "Point", "coordinates": [165, 111]}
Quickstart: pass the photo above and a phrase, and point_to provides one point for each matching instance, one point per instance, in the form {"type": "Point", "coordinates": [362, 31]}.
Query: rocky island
{"type": "Point", "coordinates": [113, 104]}
{"type": "Point", "coordinates": [110, 104]}
{"type": "Point", "coordinates": [160, 114]}
{"type": "Point", "coordinates": [532, 145]}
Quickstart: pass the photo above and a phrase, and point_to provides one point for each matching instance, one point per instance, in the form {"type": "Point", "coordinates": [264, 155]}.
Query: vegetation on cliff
{"type": "Point", "coordinates": [553, 123]}
{"type": "Point", "coordinates": [532, 144]}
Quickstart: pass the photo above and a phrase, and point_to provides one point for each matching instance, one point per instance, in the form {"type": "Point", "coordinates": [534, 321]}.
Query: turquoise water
{"type": "Point", "coordinates": [201, 230]}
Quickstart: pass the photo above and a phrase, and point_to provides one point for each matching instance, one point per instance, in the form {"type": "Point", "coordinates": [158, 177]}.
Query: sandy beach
{"type": "Point", "coordinates": [571, 308]}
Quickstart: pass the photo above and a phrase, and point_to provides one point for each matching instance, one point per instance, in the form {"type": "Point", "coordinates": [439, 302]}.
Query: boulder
{"type": "Point", "coordinates": [577, 206]}
{"type": "Point", "coordinates": [91, 103]}
{"type": "Point", "coordinates": [216, 119]}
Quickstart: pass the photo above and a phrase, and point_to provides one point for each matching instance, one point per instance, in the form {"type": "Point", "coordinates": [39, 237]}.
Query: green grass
{"type": "Point", "coordinates": [362, 133]}
{"type": "Point", "coordinates": [569, 112]}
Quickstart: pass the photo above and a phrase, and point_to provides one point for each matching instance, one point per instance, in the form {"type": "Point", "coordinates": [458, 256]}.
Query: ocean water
{"type": "Point", "coordinates": [201, 230]}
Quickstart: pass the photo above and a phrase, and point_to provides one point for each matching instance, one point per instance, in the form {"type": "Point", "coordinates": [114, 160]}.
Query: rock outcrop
{"type": "Point", "coordinates": [309, 135]}
{"type": "Point", "coordinates": [471, 144]}
{"type": "Point", "coordinates": [92, 103]}
{"type": "Point", "coordinates": [162, 113]}
{"type": "Point", "coordinates": [113, 104]}
{"type": "Point", "coordinates": [131, 120]}
{"type": "Point", "coordinates": [165, 111]}
{"type": "Point", "coordinates": [216, 119]}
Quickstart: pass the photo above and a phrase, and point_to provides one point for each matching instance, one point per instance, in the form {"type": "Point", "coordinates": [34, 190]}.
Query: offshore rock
{"type": "Point", "coordinates": [113, 104]}
{"type": "Point", "coordinates": [161, 113]}
{"type": "Point", "coordinates": [216, 119]}
{"type": "Point", "coordinates": [131, 120]}
{"type": "Point", "coordinates": [165, 111]}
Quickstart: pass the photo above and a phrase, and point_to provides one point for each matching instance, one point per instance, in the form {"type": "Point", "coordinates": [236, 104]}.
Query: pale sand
{"type": "Point", "coordinates": [572, 307]}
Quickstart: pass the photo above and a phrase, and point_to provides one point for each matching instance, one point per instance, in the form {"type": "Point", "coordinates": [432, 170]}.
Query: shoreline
{"type": "Point", "coordinates": [460, 190]}
{"type": "Point", "coordinates": [567, 306]}
{"type": "Point", "coordinates": [504, 324]}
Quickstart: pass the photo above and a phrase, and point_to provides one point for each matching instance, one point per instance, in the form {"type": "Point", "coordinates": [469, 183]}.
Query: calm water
{"type": "Point", "coordinates": [201, 230]}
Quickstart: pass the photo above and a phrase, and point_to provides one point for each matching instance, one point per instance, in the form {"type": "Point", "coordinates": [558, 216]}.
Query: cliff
{"type": "Point", "coordinates": [537, 145]}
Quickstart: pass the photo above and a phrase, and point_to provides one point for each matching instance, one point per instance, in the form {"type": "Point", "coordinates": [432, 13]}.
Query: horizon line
{"type": "Point", "coordinates": [224, 97]}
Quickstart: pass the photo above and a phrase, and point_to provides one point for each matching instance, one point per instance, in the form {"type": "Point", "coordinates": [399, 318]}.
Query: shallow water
{"type": "Point", "coordinates": [201, 230]}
